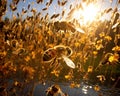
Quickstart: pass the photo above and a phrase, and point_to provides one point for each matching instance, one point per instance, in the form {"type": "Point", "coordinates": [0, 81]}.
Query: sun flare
{"type": "Point", "coordinates": [87, 14]}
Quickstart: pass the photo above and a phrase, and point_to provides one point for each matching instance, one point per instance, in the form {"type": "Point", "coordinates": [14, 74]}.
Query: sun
{"type": "Point", "coordinates": [87, 14]}
{"type": "Point", "coordinates": [90, 13]}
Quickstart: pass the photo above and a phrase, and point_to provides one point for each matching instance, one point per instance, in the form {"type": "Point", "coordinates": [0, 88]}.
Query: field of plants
{"type": "Point", "coordinates": [78, 44]}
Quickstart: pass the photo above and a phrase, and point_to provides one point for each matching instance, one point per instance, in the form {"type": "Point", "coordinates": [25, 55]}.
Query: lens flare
{"type": "Point", "coordinates": [87, 14]}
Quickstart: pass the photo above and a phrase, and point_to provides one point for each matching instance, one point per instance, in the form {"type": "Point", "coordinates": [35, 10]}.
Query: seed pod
{"type": "Point", "coordinates": [46, 16]}
{"type": "Point", "coordinates": [116, 18]}
{"type": "Point", "coordinates": [59, 3]}
{"type": "Point", "coordinates": [44, 9]}
{"type": "Point", "coordinates": [28, 6]}
{"type": "Point", "coordinates": [39, 1]}
{"type": "Point", "coordinates": [56, 15]}
{"type": "Point", "coordinates": [70, 6]}
{"type": "Point", "coordinates": [50, 2]}
{"type": "Point", "coordinates": [63, 12]}
{"type": "Point", "coordinates": [53, 16]}
{"type": "Point", "coordinates": [108, 10]}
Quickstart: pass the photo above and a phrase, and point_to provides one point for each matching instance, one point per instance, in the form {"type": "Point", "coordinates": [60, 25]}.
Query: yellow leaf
{"type": "Point", "coordinates": [27, 58]}
{"type": "Point", "coordinates": [116, 48]}
{"type": "Point", "coordinates": [102, 34]}
{"type": "Point", "coordinates": [111, 59]}
{"type": "Point", "coordinates": [108, 38]}
{"type": "Point", "coordinates": [95, 52]}
{"type": "Point", "coordinates": [114, 58]}
{"type": "Point", "coordinates": [33, 55]}
{"type": "Point", "coordinates": [67, 77]}
{"type": "Point", "coordinates": [77, 44]}
{"type": "Point", "coordinates": [50, 32]}
{"type": "Point", "coordinates": [99, 46]}
{"type": "Point", "coordinates": [56, 73]}
{"type": "Point", "coordinates": [90, 68]}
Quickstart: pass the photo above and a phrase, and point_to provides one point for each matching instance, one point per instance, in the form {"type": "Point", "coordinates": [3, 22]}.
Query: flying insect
{"type": "Point", "coordinates": [58, 52]}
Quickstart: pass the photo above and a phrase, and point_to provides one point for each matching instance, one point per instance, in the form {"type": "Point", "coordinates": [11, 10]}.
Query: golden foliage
{"type": "Point", "coordinates": [27, 58]}
{"type": "Point", "coordinates": [28, 71]}
{"type": "Point", "coordinates": [33, 35]}
{"type": "Point", "coordinates": [114, 58]}
{"type": "Point", "coordinates": [108, 38]}
{"type": "Point", "coordinates": [116, 48]}
{"type": "Point", "coordinates": [74, 85]}
{"type": "Point", "coordinates": [56, 73]}
{"type": "Point", "coordinates": [90, 69]}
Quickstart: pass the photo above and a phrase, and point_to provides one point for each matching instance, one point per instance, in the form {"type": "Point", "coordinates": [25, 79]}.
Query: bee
{"type": "Point", "coordinates": [13, 7]}
{"type": "Point", "coordinates": [63, 3]}
{"type": "Point", "coordinates": [54, 90]}
{"type": "Point", "coordinates": [23, 10]}
{"type": "Point", "coordinates": [39, 1]}
{"type": "Point", "coordinates": [15, 1]}
{"type": "Point", "coordinates": [50, 2]}
{"type": "Point", "coordinates": [3, 7]}
{"type": "Point", "coordinates": [63, 26]}
{"type": "Point", "coordinates": [47, 4]}
{"type": "Point", "coordinates": [57, 53]}
{"type": "Point", "coordinates": [67, 26]}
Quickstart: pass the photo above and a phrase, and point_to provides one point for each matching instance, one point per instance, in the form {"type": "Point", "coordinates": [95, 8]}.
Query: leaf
{"type": "Point", "coordinates": [69, 62]}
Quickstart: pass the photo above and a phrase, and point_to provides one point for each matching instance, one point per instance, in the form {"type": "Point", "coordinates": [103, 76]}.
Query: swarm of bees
{"type": "Point", "coordinates": [32, 42]}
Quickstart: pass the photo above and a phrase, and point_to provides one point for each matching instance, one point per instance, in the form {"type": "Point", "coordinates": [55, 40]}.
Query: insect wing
{"type": "Point", "coordinates": [68, 62]}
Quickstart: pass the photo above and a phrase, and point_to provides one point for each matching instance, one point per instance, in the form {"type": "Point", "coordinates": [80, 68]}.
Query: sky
{"type": "Point", "coordinates": [53, 8]}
